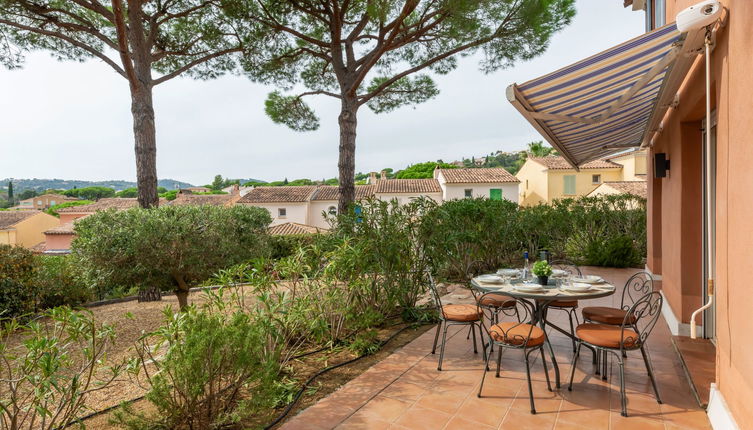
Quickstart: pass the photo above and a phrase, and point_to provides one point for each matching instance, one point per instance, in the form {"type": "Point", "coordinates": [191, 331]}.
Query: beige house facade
{"type": "Point", "coordinates": [44, 201]}
{"type": "Point", "coordinates": [546, 179]}
{"type": "Point", "coordinates": [24, 228]}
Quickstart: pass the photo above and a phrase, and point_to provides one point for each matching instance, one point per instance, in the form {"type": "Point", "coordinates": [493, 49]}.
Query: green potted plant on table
{"type": "Point", "coordinates": [542, 270]}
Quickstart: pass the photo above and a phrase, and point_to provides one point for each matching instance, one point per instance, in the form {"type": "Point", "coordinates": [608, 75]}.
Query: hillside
{"type": "Point", "coordinates": [36, 184]}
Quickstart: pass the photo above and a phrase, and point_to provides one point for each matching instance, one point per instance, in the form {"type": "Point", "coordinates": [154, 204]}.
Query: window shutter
{"type": "Point", "coordinates": [495, 194]}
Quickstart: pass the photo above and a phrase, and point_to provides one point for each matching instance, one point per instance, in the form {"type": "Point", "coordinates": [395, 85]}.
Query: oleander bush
{"type": "Point", "coordinates": [48, 377]}
{"type": "Point", "coordinates": [17, 271]}
{"type": "Point", "coordinates": [58, 281]}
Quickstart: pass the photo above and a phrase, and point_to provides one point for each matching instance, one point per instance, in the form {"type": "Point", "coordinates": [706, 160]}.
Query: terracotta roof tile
{"type": "Point", "coordinates": [287, 194]}
{"type": "Point", "coordinates": [102, 204]}
{"type": "Point", "coordinates": [204, 199]}
{"type": "Point", "coordinates": [555, 162]}
{"type": "Point", "coordinates": [332, 192]}
{"type": "Point", "coordinates": [293, 228]}
{"type": "Point", "coordinates": [477, 176]}
{"type": "Point", "coordinates": [10, 218]}
{"type": "Point", "coordinates": [636, 188]}
{"type": "Point", "coordinates": [62, 229]}
{"type": "Point", "coordinates": [412, 186]}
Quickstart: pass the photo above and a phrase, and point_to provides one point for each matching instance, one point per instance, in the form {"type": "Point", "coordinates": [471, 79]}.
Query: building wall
{"type": "Point", "coordinates": [8, 237]}
{"type": "Point", "coordinates": [731, 97]}
{"type": "Point", "coordinates": [65, 217]}
{"type": "Point", "coordinates": [633, 166]}
{"type": "Point", "coordinates": [30, 231]}
{"type": "Point", "coordinates": [583, 183]}
{"type": "Point", "coordinates": [58, 241]}
{"type": "Point", "coordinates": [316, 208]}
{"type": "Point", "coordinates": [533, 188]}
{"type": "Point", "coordinates": [403, 198]}
{"type": "Point", "coordinates": [457, 191]}
{"type": "Point", "coordinates": [296, 212]}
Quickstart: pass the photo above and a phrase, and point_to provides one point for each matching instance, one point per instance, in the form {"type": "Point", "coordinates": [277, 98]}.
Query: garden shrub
{"type": "Point", "coordinates": [58, 282]}
{"type": "Point", "coordinates": [17, 270]}
{"type": "Point", "coordinates": [170, 247]}
{"type": "Point", "coordinates": [206, 369]}
{"type": "Point", "coordinates": [48, 377]}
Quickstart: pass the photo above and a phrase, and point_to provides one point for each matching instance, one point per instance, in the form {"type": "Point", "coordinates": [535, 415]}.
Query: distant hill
{"type": "Point", "coordinates": [67, 184]}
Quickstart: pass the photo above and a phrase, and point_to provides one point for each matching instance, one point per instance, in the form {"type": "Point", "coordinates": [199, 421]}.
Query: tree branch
{"type": "Point", "coordinates": [68, 39]}
{"type": "Point", "coordinates": [194, 63]}
{"type": "Point", "coordinates": [125, 57]}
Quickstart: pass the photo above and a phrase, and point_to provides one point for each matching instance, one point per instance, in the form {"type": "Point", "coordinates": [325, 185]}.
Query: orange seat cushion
{"type": "Point", "coordinates": [564, 304]}
{"type": "Point", "coordinates": [513, 333]}
{"type": "Point", "coordinates": [606, 315]}
{"type": "Point", "coordinates": [607, 336]}
{"type": "Point", "coordinates": [461, 312]}
{"type": "Point", "coordinates": [497, 301]}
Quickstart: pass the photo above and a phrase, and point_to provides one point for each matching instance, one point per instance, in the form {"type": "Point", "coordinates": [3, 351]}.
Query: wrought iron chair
{"type": "Point", "coordinates": [522, 336]}
{"type": "Point", "coordinates": [569, 306]}
{"type": "Point", "coordinates": [458, 314]}
{"type": "Point", "coordinates": [493, 303]}
{"type": "Point", "coordinates": [630, 335]}
{"type": "Point", "coordinates": [636, 287]}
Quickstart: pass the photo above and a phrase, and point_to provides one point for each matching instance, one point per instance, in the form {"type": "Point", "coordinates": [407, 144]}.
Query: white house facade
{"type": "Point", "coordinates": [492, 183]}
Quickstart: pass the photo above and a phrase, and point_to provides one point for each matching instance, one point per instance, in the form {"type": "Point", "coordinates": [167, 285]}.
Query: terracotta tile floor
{"type": "Point", "coordinates": [405, 391]}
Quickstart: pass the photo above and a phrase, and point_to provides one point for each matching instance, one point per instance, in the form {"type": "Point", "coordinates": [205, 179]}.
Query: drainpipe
{"type": "Point", "coordinates": [709, 237]}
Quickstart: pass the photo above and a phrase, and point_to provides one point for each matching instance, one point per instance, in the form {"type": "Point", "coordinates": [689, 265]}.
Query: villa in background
{"type": "Point", "coordinates": [24, 228]}
{"type": "Point", "coordinates": [545, 179]}
{"type": "Point", "coordinates": [311, 205]}
{"type": "Point", "coordinates": [44, 201]}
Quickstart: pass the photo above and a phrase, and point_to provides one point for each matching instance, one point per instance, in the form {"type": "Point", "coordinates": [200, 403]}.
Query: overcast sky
{"type": "Point", "coordinates": [72, 120]}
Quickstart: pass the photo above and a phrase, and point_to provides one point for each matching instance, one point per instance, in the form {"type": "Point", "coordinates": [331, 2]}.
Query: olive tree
{"type": "Point", "coordinates": [170, 247]}
{"type": "Point", "coordinates": [135, 38]}
{"type": "Point", "coordinates": [378, 52]}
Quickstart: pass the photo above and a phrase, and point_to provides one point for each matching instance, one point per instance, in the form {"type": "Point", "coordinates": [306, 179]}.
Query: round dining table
{"type": "Point", "coordinates": [541, 301]}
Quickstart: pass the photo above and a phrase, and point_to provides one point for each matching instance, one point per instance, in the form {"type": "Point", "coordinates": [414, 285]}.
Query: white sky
{"type": "Point", "coordinates": [72, 120]}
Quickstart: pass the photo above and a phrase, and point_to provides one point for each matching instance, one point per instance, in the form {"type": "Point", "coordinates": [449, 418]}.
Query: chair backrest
{"type": "Point", "coordinates": [566, 265]}
{"type": "Point", "coordinates": [434, 293]}
{"type": "Point", "coordinates": [646, 311]}
{"type": "Point", "coordinates": [524, 310]}
{"type": "Point", "coordinates": [636, 287]}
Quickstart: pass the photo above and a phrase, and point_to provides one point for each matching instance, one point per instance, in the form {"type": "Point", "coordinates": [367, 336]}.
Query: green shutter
{"type": "Point", "coordinates": [495, 194]}
{"type": "Point", "coordinates": [569, 184]}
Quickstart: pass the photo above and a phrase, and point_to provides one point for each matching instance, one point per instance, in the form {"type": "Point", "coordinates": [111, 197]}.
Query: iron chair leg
{"type": "Point", "coordinates": [441, 349]}
{"type": "Point", "coordinates": [475, 348]}
{"type": "Point", "coordinates": [499, 360]}
{"type": "Point", "coordinates": [572, 328]}
{"type": "Point", "coordinates": [481, 338]}
{"type": "Point", "coordinates": [604, 365]}
{"type": "Point", "coordinates": [469, 333]}
{"type": "Point", "coordinates": [530, 387]}
{"type": "Point", "coordinates": [649, 368]}
{"type": "Point", "coordinates": [623, 396]}
{"type": "Point", "coordinates": [572, 368]}
{"type": "Point", "coordinates": [436, 337]}
{"type": "Point", "coordinates": [546, 371]}
{"type": "Point", "coordinates": [483, 376]}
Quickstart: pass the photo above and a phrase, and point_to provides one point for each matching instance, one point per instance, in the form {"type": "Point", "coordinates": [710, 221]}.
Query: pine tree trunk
{"type": "Point", "coordinates": [181, 292]}
{"type": "Point", "coordinates": [145, 137]}
{"type": "Point", "coordinates": [347, 161]}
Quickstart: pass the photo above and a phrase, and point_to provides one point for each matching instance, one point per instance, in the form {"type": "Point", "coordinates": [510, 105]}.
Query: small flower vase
{"type": "Point", "coordinates": [543, 280]}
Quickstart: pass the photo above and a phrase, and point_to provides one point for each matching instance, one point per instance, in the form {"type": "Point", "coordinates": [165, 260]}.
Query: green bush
{"type": "Point", "coordinates": [54, 209]}
{"type": "Point", "coordinates": [212, 370]}
{"type": "Point", "coordinates": [17, 271]}
{"type": "Point", "coordinates": [58, 282]}
{"type": "Point", "coordinates": [48, 378]}
{"type": "Point", "coordinates": [170, 247]}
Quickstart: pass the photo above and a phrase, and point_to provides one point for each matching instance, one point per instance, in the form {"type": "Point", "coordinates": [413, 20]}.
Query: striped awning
{"type": "Point", "coordinates": [611, 101]}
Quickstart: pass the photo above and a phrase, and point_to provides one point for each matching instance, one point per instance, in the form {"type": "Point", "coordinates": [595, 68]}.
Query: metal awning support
{"type": "Point", "coordinates": [611, 101]}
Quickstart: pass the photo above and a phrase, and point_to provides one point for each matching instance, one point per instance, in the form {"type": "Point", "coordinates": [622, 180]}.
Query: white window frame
{"type": "Point", "coordinates": [468, 193]}
{"type": "Point", "coordinates": [282, 212]}
{"type": "Point", "coordinates": [595, 179]}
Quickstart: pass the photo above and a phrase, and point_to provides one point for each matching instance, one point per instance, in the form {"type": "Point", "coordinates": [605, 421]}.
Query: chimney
{"type": "Point", "coordinates": [372, 178]}
{"type": "Point", "coordinates": [384, 175]}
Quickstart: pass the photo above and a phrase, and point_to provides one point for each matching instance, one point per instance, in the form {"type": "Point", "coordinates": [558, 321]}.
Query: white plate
{"type": "Point", "coordinates": [508, 272]}
{"type": "Point", "coordinates": [492, 279]}
{"type": "Point", "coordinates": [559, 273]}
{"type": "Point", "coordinates": [529, 288]}
{"type": "Point", "coordinates": [588, 279]}
{"type": "Point", "coordinates": [577, 287]}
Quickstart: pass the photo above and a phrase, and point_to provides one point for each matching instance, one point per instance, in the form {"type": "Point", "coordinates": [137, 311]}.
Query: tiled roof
{"type": "Point", "coordinates": [11, 218]}
{"type": "Point", "coordinates": [288, 194]}
{"type": "Point", "coordinates": [413, 186]}
{"type": "Point", "coordinates": [293, 228]}
{"type": "Point", "coordinates": [477, 176]}
{"type": "Point", "coordinates": [332, 192]}
{"type": "Point", "coordinates": [102, 204]}
{"type": "Point", "coordinates": [204, 199]}
{"type": "Point", "coordinates": [555, 162]}
{"type": "Point", "coordinates": [636, 188]}
{"type": "Point", "coordinates": [66, 228]}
